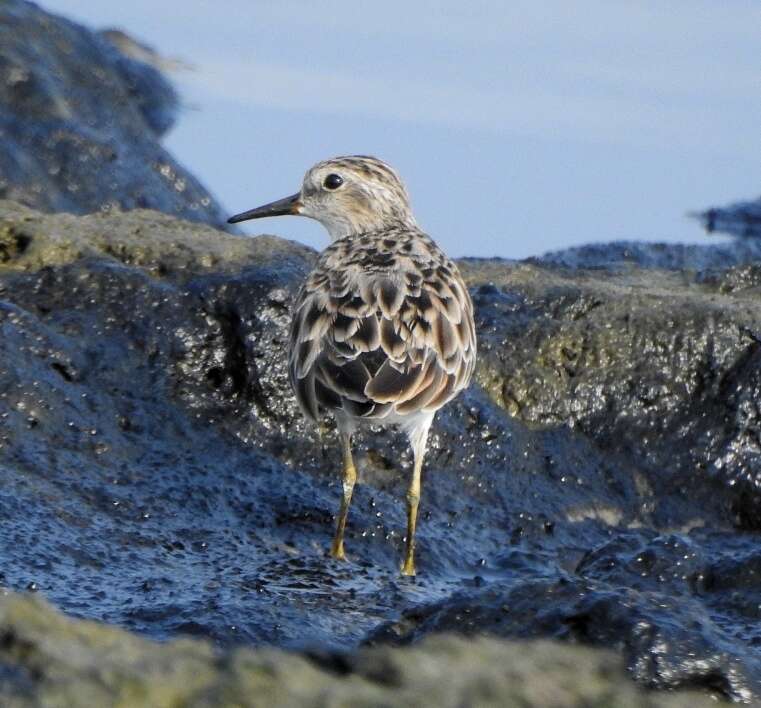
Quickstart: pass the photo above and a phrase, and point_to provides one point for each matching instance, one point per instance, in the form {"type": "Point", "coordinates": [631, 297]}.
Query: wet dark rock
{"type": "Point", "coordinates": [660, 369]}
{"type": "Point", "coordinates": [642, 598]}
{"type": "Point", "coordinates": [80, 123]}
{"type": "Point", "coordinates": [600, 484]}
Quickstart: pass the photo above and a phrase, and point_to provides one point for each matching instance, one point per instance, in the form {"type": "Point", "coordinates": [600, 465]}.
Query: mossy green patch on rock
{"type": "Point", "coordinates": [49, 660]}
{"type": "Point", "coordinates": [149, 240]}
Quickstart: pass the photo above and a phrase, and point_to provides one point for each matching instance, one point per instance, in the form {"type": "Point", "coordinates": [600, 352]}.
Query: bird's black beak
{"type": "Point", "coordinates": [282, 207]}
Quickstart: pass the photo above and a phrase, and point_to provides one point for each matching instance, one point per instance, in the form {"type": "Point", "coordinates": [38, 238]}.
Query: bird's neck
{"type": "Point", "coordinates": [343, 227]}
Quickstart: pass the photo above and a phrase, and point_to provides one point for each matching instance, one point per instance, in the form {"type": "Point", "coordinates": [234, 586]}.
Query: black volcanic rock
{"type": "Point", "coordinates": [80, 123]}
{"type": "Point", "coordinates": [742, 219]}
{"type": "Point", "coordinates": [659, 368]}
{"type": "Point", "coordinates": [600, 482]}
{"type": "Point", "coordinates": [620, 255]}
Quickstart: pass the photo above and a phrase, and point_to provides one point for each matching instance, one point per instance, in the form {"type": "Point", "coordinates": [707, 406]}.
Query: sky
{"type": "Point", "coordinates": [518, 127]}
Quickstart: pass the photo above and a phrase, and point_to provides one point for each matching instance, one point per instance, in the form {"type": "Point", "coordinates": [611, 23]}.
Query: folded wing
{"type": "Point", "coordinates": [380, 330]}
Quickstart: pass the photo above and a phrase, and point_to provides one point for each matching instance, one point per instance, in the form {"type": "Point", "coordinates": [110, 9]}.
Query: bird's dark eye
{"type": "Point", "coordinates": [333, 181]}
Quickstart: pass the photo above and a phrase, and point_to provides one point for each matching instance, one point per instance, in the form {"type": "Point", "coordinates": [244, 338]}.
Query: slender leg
{"type": "Point", "coordinates": [350, 477]}
{"type": "Point", "coordinates": [413, 498]}
{"type": "Point", "coordinates": [418, 439]}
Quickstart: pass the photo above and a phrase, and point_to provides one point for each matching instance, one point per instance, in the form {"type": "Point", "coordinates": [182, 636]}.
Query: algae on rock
{"type": "Point", "coordinates": [49, 660]}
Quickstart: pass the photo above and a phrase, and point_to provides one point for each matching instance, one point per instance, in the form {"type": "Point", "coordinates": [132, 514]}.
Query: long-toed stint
{"type": "Point", "coordinates": [382, 330]}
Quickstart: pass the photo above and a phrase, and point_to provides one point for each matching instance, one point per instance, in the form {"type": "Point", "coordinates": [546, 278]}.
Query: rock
{"type": "Point", "coordinates": [46, 659]}
{"type": "Point", "coordinates": [658, 368]}
{"type": "Point", "coordinates": [741, 219]}
{"type": "Point", "coordinates": [621, 255]}
{"type": "Point", "coordinates": [80, 123]}
{"type": "Point", "coordinates": [143, 53]}
{"type": "Point", "coordinates": [599, 484]}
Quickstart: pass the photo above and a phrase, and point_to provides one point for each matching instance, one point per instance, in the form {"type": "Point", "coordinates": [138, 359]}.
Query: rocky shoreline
{"type": "Point", "coordinates": [591, 507]}
{"type": "Point", "coordinates": [597, 485]}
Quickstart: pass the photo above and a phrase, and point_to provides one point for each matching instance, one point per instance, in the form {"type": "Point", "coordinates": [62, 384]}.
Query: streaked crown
{"type": "Point", "coordinates": [355, 194]}
{"type": "Point", "coordinates": [347, 195]}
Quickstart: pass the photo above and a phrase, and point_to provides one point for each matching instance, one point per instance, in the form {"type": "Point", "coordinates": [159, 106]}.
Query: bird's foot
{"type": "Point", "coordinates": [337, 550]}
{"type": "Point", "coordinates": [409, 567]}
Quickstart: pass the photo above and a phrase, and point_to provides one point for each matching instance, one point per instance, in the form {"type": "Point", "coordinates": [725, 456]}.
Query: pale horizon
{"type": "Point", "coordinates": [518, 130]}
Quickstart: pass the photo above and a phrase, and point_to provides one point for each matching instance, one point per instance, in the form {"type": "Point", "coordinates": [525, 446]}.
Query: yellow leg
{"type": "Point", "coordinates": [350, 477]}
{"type": "Point", "coordinates": [413, 498]}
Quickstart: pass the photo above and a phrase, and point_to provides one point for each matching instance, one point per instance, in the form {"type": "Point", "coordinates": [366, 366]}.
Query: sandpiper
{"type": "Point", "coordinates": [382, 330]}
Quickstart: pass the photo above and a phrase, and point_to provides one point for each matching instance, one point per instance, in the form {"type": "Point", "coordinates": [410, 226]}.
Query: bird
{"type": "Point", "coordinates": [383, 330]}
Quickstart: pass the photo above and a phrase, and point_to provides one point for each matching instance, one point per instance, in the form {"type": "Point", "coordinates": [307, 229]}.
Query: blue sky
{"type": "Point", "coordinates": [518, 127]}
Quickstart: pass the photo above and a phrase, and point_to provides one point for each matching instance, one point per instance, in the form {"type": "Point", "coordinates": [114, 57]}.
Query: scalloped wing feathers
{"type": "Point", "coordinates": [383, 324]}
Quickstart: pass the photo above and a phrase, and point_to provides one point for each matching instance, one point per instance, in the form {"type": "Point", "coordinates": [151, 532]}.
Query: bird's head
{"type": "Point", "coordinates": [347, 195]}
